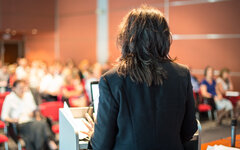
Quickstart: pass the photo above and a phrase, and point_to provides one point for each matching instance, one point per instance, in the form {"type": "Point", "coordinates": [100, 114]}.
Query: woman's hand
{"type": "Point", "coordinates": [90, 125]}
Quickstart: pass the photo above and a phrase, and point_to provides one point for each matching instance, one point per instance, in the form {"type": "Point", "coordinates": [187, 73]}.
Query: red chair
{"type": "Point", "coordinates": [3, 95]}
{"type": "Point", "coordinates": [201, 106]}
{"type": "Point", "coordinates": [2, 124]}
{"type": "Point", "coordinates": [233, 99]}
{"type": "Point", "coordinates": [1, 103]}
{"type": "Point", "coordinates": [71, 102]}
{"type": "Point", "coordinates": [55, 128]}
{"type": "Point", "coordinates": [50, 110]}
{"type": "Point", "coordinates": [4, 139]}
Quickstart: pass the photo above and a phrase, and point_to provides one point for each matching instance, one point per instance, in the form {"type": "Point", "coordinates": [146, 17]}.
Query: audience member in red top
{"type": "Point", "coordinates": [73, 90]}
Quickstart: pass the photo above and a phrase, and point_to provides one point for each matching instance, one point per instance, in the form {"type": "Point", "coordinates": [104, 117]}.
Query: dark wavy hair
{"type": "Point", "coordinates": [222, 71]}
{"type": "Point", "coordinates": [145, 40]}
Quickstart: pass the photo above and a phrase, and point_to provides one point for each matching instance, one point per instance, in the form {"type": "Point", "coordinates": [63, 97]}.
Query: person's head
{"type": "Point", "coordinates": [35, 64]}
{"type": "Point", "coordinates": [22, 62]}
{"type": "Point", "coordinates": [19, 87]}
{"type": "Point", "coordinates": [145, 41]}
{"type": "Point", "coordinates": [84, 65]}
{"type": "Point", "coordinates": [12, 69]}
{"type": "Point", "coordinates": [208, 72]}
{"type": "Point", "coordinates": [70, 64]}
{"type": "Point", "coordinates": [97, 70]}
{"type": "Point", "coordinates": [68, 79]}
{"type": "Point", "coordinates": [224, 73]}
{"type": "Point", "coordinates": [5, 69]}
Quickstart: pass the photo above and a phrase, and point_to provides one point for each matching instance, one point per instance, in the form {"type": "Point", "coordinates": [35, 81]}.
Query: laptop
{"type": "Point", "coordinates": [95, 96]}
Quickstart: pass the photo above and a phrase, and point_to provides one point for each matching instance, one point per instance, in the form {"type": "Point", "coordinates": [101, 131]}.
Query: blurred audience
{"type": "Point", "coordinates": [12, 74]}
{"type": "Point", "coordinates": [54, 82]}
{"type": "Point", "coordinates": [32, 83]}
{"type": "Point", "coordinates": [22, 70]}
{"type": "Point", "coordinates": [4, 77]}
{"type": "Point", "coordinates": [195, 84]}
{"type": "Point", "coordinates": [35, 82]}
{"type": "Point", "coordinates": [19, 108]}
{"type": "Point", "coordinates": [224, 84]}
{"type": "Point", "coordinates": [51, 83]}
{"type": "Point", "coordinates": [73, 90]}
{"type": "Point", "coordinates": [84, 65]}
{"type": "Point", "coordinates": [212, 95]}
{"type": "Point", "coordinates": [224, 81]}
{"type": "Point", "coordinates": [35, 74]}
{"type": "Point", "coordinates": [93, 74]}
{"type": "Point", "coordinates": [196, 88]}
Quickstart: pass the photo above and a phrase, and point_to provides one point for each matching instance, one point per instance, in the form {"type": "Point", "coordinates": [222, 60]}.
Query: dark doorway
{"type": "Point", "coordinates": [11, 50]}
{"type": "Point", "coordinates": [10, 53]}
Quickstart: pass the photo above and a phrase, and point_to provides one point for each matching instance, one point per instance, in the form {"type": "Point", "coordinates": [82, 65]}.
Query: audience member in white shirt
{"type": "Point", "coordinates": [19, 108]}
{"type": "Point", "coordinates": [22, 69]}
{"type": "Point", "coordinates": [224, 81]}
{"type": "Point", "coordinates": [51, 84]}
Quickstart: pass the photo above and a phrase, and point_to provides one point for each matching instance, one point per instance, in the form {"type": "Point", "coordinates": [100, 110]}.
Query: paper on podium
{"type": "Point", "coordinates": [77, 123]}
{"type": "Point", "coordinates": [220, 147]}
{"type": "Point", "coordinates": [232, 93]}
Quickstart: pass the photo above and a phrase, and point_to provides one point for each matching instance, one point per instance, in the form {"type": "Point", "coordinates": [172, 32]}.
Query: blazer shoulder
{"type": "Point", "coordinates": [114, 81]}
{"type": "Point", "coordinates": [111, 75]}
{"type": "Point", "coordinates": [112, 78]}
{"type": "Point", "coordinates": [181, 68]}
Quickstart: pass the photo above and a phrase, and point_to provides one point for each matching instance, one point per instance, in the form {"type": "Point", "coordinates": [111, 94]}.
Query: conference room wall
{"type": "Point", "coordinates": [40, 47]}
{"type": "Point", "coordinates": [208, 18]}
{"type": "Point", "coordinates": [27, 15]}
{"type": "Point", "coordinates": [77, 29]}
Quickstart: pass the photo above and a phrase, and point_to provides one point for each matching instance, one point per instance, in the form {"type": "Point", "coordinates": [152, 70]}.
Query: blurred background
{"type": "Point", "coordinates": [206, 32]}
{"type": "Point", "coordinates": [76, 40]}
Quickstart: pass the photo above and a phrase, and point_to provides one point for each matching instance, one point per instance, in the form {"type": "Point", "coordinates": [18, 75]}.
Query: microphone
{"type": "Point", "coordinates": [233, 132]}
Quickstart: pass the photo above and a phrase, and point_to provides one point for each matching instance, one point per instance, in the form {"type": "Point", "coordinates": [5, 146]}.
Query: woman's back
{"type": "Point", "coordinates": [135, 116]}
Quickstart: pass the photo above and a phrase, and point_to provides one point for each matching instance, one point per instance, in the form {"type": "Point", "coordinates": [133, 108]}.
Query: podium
{"type": "Point", "coordinates": [68, 133]}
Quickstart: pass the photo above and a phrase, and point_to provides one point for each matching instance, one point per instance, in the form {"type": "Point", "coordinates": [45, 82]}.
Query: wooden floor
{"type": "Point", "coordinates": [218, 134]}
{"type": "Point", "coordinates": [224, 141]}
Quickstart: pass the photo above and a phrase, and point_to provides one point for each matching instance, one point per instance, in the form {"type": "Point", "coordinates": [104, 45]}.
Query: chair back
{"type": "Point", "coordinates": [51, 109]}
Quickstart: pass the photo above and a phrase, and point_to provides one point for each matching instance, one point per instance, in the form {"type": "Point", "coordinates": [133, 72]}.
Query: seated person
{"type": "Point", "coordinates": [224, 84]}
{"type": "Point", "coordinates": [4, 76]}
{"type": "Point", "coordinates": [18, 108]}
{"type": "Point", "coordinates": [196, 87]}
{"type": "Point", "coordinates": [72, 89]}
{"type": "Point", "coordinates": [51, 84]}
{"type": "Point", "coordinates": [213, 97]}
{"type": "Point", "coordinates": [22, 69]}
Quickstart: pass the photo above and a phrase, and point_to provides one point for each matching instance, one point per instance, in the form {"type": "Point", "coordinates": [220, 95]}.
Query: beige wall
{"type": "Point", "coordinates": [210, 18]}
{"type": "Point", "coordinates": [77, 30]}
{"type": "Point", "coordinates": [24, 16]}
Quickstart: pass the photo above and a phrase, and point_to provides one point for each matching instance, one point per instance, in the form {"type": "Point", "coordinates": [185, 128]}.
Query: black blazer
{"type": "Point", "coordinates": [133, 116]}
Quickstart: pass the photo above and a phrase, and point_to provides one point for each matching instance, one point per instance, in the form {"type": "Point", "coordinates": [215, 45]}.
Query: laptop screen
{"type": "Point", "coordinates": [95, 95]}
